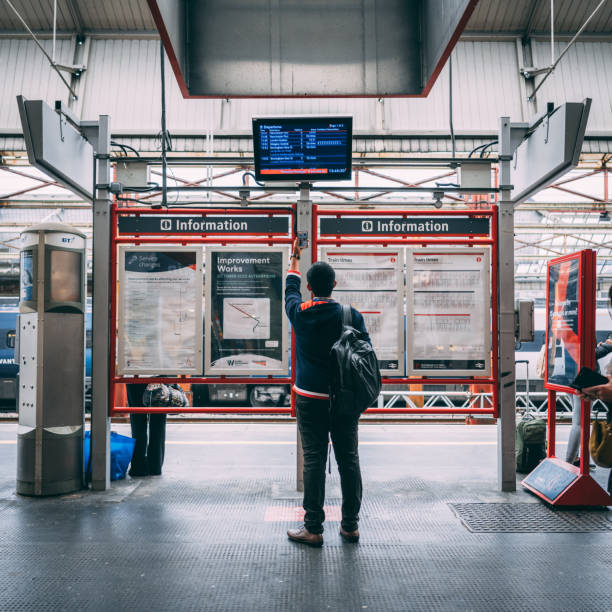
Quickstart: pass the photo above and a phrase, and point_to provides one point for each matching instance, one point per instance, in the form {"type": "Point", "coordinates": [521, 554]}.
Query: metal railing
{"type": "Point", "coordinates": [536, 402]}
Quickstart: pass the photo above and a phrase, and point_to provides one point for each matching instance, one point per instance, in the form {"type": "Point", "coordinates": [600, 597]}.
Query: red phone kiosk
{"type": "Point", "coordinates": [570, 345]}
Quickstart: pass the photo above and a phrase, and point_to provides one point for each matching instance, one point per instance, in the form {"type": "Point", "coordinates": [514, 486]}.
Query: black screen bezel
{"type": "Point", "coordinates": [305, 121]}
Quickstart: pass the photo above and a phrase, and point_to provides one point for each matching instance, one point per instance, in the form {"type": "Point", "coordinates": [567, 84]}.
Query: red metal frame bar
{"type": "Point", "coordinates": [491, 212]}
{"type": "Point", "coordinates": [316, 241]}
{"type": "Point", "coordinates": [586, 332]}
{"type": "Point", "coordinates": [136, 239]}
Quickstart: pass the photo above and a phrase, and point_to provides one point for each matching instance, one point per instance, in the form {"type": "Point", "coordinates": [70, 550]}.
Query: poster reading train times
{"type": "Point", "coordinates": [373, 283]}
{"type": "Point", "coordinates": [449, 312]}
{"type": "Point", "coordinates": [563, 348]}
{"type": "Point", "coordinates": [160, 310]}
{"type": "Point", "coordinates": [246, 327]}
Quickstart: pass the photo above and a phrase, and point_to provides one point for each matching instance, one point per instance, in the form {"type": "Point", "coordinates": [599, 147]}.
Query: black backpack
{"type": "Point", "coordinates": [354, 375]}
{"type": "Point", "coordinates": [530, 443]}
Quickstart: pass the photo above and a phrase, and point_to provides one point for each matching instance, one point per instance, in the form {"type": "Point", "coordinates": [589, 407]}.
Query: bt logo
{"type": "Point", "coordinates": [66, 239]}
{"type": "Point", "coordinates": [367, 226]}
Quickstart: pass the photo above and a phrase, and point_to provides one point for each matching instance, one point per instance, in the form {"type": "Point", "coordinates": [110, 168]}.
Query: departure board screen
{"type": "Point", "coordinates": [303, 148]}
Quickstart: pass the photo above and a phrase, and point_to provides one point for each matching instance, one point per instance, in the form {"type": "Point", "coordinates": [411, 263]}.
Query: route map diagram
{"type": "Point", "coordinates": [246, 319]}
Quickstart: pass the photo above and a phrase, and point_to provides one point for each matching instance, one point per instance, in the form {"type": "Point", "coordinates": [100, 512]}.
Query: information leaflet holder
{"type": "Point", "coordinates": [570, 345]}
{"type": "Point", "coordinates": [449, 311]}
{"type": "Point", "coordinates": [160, 310]}
{"type": "Point", "coordinates": [372, 281]}
{"type": "Point", "coordinates": [157, 250]}
{"type": "Point", "coordinates": [469, 233]}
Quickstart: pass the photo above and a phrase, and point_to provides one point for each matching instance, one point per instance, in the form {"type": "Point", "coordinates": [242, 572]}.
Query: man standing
{"type": "Point", "coordinates": [317, 325]}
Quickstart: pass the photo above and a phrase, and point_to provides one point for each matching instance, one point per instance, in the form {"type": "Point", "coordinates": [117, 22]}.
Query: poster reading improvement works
{"type": "Point", "coordinates": [373, 283]}
{"type": "Point", "coordinates": [449, 316]}
{"type": "Point", "coordinates": [160, 310]}
{"type": "Point", "coordinates": [246, 329]}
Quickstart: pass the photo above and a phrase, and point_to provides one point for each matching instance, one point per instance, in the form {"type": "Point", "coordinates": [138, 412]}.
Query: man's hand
{"type": "Point", "coordinates": [294, 264]}
{"type": "Point", "coordinates": [602, 392]}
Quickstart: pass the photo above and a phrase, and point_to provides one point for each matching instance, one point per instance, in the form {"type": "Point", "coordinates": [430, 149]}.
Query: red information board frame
{"type": "Point", "coordinates": [579, 488]}
{"type": "Point", "coordinates": [491, 239]}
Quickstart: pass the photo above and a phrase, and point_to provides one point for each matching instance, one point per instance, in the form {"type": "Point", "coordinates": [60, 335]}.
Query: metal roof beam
{"type": "Point", "coordinates": [75, 14]}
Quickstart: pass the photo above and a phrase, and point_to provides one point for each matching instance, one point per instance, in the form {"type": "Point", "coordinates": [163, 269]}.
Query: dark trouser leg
{"type": "Point", "coordinates": [313, 423]}
{"type": "Point", "coordinates": [345, 441]}
{"type": "Point", "coordinates": [157, 441]}
{"type": "Point", "coordinates": [139, 433]}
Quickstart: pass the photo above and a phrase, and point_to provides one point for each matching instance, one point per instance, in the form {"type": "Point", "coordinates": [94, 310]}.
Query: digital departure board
{"type": "Point", "coordinates": [303, 148]}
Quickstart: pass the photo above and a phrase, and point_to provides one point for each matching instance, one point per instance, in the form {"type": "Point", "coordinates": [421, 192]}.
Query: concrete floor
{"type": "Point", "coordinates": [210, 533]}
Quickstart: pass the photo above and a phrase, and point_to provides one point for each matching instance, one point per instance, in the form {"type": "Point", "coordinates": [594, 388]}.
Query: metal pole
{"type": "Point", "coordinates": [163, 126]}
{"type": "Point", "coordinates": [100, 420]}
{"type": "Point", "coordinates": [303, 224]}
{"type": "Point", "coordinates": [506, 424]}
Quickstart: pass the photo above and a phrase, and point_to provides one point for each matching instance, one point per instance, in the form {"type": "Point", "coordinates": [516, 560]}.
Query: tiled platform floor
{"type": "Point", "coordinates": [210, 533]}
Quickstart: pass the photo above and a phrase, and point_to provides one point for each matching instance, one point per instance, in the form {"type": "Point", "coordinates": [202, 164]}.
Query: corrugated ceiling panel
{"type": "Point", "coordinates": [124, 82]}
{"type": "Point", "coordinates": [496, 16]}
{"type": "Point", "coordinates": [38, 14]}
{"type": "Point", "coordinates": [95, 15]}
{"type": "Point", "coordinates": [513, 16]}
{"type": "Point", "coordinates": [116, 15]}
{"type": "Point", "coordinates": [25, 70]}
{"type": "Point", "coordinates": [484, 88]}
{"type": "Point", "coordinates": [585, 71]}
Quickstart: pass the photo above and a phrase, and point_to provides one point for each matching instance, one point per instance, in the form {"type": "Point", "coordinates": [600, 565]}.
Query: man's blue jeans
{"type": "Point", "coordinates": [315, 425]}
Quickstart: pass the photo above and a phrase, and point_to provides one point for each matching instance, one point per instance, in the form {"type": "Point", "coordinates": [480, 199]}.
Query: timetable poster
{"type": "Point", "coordinates": [373, 283]}
{"type": "Point", "coordinates": [563, 350]}
{"type": "Point", "coordinates": [449, 316]}
{"type": "Point", "coordinates": [160, 310]}
{"type": "Point", "coordinates": [245, 321]}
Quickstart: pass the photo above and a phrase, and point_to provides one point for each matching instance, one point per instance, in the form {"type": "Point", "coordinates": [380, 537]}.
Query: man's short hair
{"type": "Point", "coordinates": [321, 278]}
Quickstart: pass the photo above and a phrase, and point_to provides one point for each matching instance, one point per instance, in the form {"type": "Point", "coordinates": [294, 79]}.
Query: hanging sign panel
{"type": "Point", "coordinates": [209, 224]}
{"type": "Point", "coordinates": [449, 312]}
{"type": "Point", "coordinates": [364, 226]}
{"type": "Point", "coordinates": [570, 318]}
{"type": "Point", "coordinates": [373, 283]}
{"type": "Point", "coordinates": [160, 310]}
{"type": "Point", "coordinates": [246, 329]}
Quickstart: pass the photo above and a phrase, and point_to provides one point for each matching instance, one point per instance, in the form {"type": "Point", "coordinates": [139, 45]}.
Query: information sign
{"type": "Point", "coordinates": [246, 329]}
{"type": "Point", "coordinates": [403, 226]}
{"type": "Point", "coordinates": [160, 310]}
{"type": "Point", "coordinates": [569, 317]}
{"type": "Point", "coordinates": [449, 312]}
{"type": "Point", "coordinates": [373, 283]}
{"type": "Point", "coordinates": [204, 225]}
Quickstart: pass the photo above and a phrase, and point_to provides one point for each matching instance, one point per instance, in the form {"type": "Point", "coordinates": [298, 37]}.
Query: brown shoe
{"type": "Point", "coordinates": [350, 536]}
{"type": "Point", "coordinates": [303, 536]}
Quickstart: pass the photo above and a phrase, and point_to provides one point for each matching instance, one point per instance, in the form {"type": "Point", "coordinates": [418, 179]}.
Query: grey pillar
{"type": "Point", "coordinates": [100, 420]}
{"type": "Point", "coordinates": [304, 224]}
{"type": "Point", "coordinates": [506, 424]}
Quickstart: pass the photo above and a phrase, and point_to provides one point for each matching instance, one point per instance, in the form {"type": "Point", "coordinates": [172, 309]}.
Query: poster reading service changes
{"type": "Point", "coordinates": [160, 310]}
{"type": "Point", "coordinates": [373, 283]}
{"type": "Point", "coordinates": [563, 350]}
{"type": "Point", "coordinates": [246, 328]}
{"type": "Point", "coordinates": [449, 320]}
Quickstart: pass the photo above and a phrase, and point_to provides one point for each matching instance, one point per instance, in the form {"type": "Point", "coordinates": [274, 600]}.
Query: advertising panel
{"type": "Point", "coordinates": [570, 318]}
{"type": "Point", "coordinates": [160, 310]}
{"type": "Point", "coordinates": [373, 283]}
{"type": "Point", "coordinates": [449, 312]}
{"type": "Point", "coordinates": [246, 328]}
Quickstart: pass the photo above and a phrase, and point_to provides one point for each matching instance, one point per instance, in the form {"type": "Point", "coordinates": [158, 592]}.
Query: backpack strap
{"type": "Point", "coordinates": [347, 315]}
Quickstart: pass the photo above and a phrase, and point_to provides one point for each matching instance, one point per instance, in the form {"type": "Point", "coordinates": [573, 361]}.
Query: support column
{"type": "Point", "coordinates": [100, 420]}
{"type": "Point", "coordinates": [506, 424]}
{"type": "Point", "coordinates": [304, 224]}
